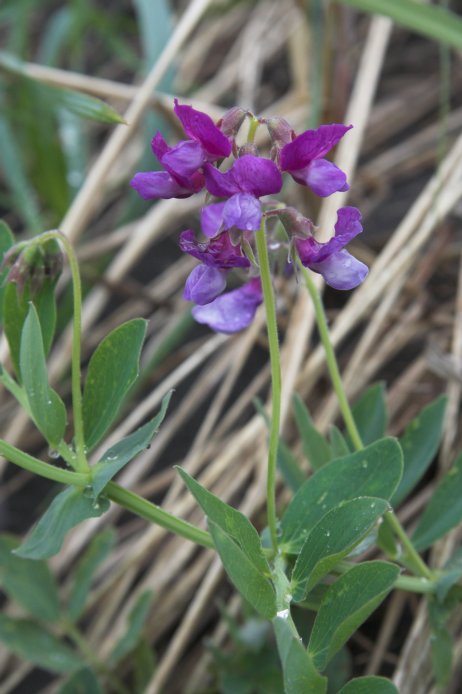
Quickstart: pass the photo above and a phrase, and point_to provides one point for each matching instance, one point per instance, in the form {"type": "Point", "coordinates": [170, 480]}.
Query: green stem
{"type": "Point", "coordinates": [273, 341]}
{"type": "Point", "coordinates": [146, 509]}
{"type": "Point", "coordinates": [129, 500]}
{"type": "Point", "coordinates": [81, 462]}
{"type": "Point", "coordinates": [331, 359]}
{"type": "Point", "coordinates": [414, 560]}
{"type": "Point", "coordinates": [254, 123]}
{"type": "Point", "coordinates": [38, 467]}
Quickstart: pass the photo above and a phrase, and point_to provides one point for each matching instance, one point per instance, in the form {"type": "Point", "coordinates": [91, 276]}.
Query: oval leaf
{"type": "Point", "coordinates": [332, 539]}
{"type": "Point", "coordinates": [82, 682]}
{"type": "Point", "coordinates": [315, 447]}
{"type": "Point", "coordinates": [300, 675]}
{"type": "Point", "coordinates": [30, 583]}
{"type": "Point", "coordinates": [32, 642]}
{"type": "Point", "coordinates": [230, 520]}
{"type": "Point", "coordinates": [82, 576]}
{"type": "Point", "coordinates": [369, 685]}
{"type": "Point", "coordinates": [248, 580]}
{"type": "Point", "coordinates": [113, 368]}
{"type": "Point", "coordinates": [444, 510]}
{"type": "Point", "coordinates": [374, 471]}
{"type": "Point", "coordinates": [125, 450]}
{"type": "Point", "coordinates": [420, 443]}
{"type": "Point", "coordinates": [46, 406]}
{"type": "Point", "coordinates": [68, 509]}
{"type": "Point", "coordinates": [370, 414]}
{"type": "Point", "coordinates": [346, 605]}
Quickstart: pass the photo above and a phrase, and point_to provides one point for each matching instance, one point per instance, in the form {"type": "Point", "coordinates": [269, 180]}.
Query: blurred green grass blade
{"type": "Point", "coordinates": [432, 21]}
{"type": "Point", "coordinates": [55, 35]}
{"type": "Point", "coordinates": [12, 166]}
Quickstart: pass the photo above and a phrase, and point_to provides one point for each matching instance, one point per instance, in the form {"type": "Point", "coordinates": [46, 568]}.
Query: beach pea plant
{"type": "Point", "coordinates": [310, 555]}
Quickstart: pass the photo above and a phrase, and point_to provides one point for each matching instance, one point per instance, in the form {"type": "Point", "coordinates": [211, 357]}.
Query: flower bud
{"type": "Point", "coordinates": [294, 222]}
{"type": "Point", "coordinates": [32, 264]}
{"type": "Point", "coordinates": [232, 121]}
{"type": "Point", "coordinates": [280, 131]}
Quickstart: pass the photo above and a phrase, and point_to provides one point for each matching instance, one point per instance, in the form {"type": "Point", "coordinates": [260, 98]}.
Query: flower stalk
{"type": "Point", "coordinates": [275, 362]}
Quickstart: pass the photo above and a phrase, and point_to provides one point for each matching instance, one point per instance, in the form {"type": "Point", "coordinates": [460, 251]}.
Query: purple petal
{"type": "Point", "coordinates": [257, 176]}
{"type": "Point", "coordinates": [158, 184]}
{"type": "Point", "coordinates": [204, 284]}
{"type": "Point", "coordinates": [310, 145]}
{"type": "Point", "coordinates": [341, 270]}
{"type": "Point", "coordinates": [201, 127]}
{"type": "Point", "coordinates": [323, 177]}
{"type": "Point", "coordinates": [233, 311]}
{"type": "Point", "coordinates": [242, 211]}
{"type": "Point", "coordinates": [218, 252]}
{"type": "Point", "coordinates": [212, 219]}
{"type": "Point", "coordinates": [218, 183]}
{"type": "Point", "coordinates": [347, 226]}
{"type": "Point", "coordinates": [159, 146]}
{"type": "Point", "coordinates": [249, 174]}
{"type": "Point", "coordinates": [184, 159]}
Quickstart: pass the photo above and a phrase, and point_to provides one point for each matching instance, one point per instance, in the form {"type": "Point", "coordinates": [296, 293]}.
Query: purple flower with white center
{"type": "Point", "coordinates": [181, 176]}
{"type": "Point", "coordinates": [248, 179]}
{"type": "Point", "coordinates": [339, 268]}
{"type": "Point", "coordinates": [219, 252]}
{"type": "Point", "coordinates": [233, 311]}
{"type": "Point", "coordinates": [204, 284]}
{"type": "Point", "coordinates": [304, 159]}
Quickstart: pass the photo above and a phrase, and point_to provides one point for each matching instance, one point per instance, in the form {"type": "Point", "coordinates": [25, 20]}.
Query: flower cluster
{"type": "Point", "coordinates": [230, 224]}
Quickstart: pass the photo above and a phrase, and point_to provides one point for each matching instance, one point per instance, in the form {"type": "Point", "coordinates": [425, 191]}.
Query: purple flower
{"type": "Point", "coordinates": [204, 284]}
{"type": "Point", "coordinates": [338, 267]}
{"type": "Point", "coordinates": [219, 252]}
{"type": "Point", "coordinates": [233, 311]}
{"type": "Point", "coordinates": [181, 176]}
{"type": "Point", "coordinates": [249, 178]}
{"type": "Point", "coordinates": [304, 159]}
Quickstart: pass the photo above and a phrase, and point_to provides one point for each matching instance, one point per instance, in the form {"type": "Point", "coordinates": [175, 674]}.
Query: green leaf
{"type": "Point", "coordinates": [338, 444]}
{"type": "Point", "coordinates": [96, 552]}
{"type": "Point", "coordinates": [113, 368]}
{"type": "Point", "coordinates": [346, 605]}
{"type": "Point", "coordinates": [82, 682]}
{"type": "Point", "coordinates": [6, 241]}
{"type": "Point", "coordinates": [83, 105]}
{"type": "Point", "coordinates": [33, 642]}
{"type": "Point", "coordinates": [435, 22]}
{"type": "Point", "coordinates": [125, 450]}
{"type": "Point", "coordinates": [289, 468]}
{"type": "Point", "coordinates": [300, 674]}
{"type": "Point", "coordinates": [136, 622]}
{"type": "Point", "coordinates": [420, 443]}
{"type": "Point", "coordinates": [144, 665]}
{"type": "Point", "coordinates": [441, 642]}
{"type": "Point", "coordinates": [30, 583]}
{"type": "Point", "coordinates": [332, 539]}
{"type": "Point", "coordinates": [46, 406]}
{"type": "Point", "coordinates": [68, 509]}
{"type": "Point", "coordinates": [248, 580]}
{"type": "Point", "coordinates": [369, 685]}
{"type": "Point", "coordinates": [374, 471]}
{"type": "Point", "coordinates": [230, 520]}
{"type": "Point", "coordinates": [451, 574]}
{"type": "Point", "coordinates": [12, 165]}
{"type": "Point", "coordinates": [315, 448]}
{"type": "Point", "coordinates": [444, 510]}
{"type": "Point", "coordinates": [370, 414]}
